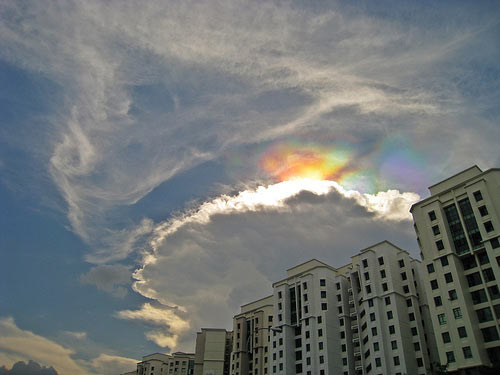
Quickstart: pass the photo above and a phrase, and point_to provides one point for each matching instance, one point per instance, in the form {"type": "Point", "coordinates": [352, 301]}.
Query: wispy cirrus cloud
{"type": "Point", "coordinates": [223, 74]}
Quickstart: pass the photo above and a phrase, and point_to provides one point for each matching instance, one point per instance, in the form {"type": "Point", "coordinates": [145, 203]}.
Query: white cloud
{"type": "Point", "coordinates": [208, 262]}
{"type": "Point", "coordinates": [112, 365]}
{"type": "Point", "coordinates": [76, 335]}
{"type": "Point", "coordinates": [21, 345]}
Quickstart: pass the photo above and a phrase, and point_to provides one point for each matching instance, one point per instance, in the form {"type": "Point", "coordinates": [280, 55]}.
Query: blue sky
{"type": "Point", "coordinates": [145, 151]}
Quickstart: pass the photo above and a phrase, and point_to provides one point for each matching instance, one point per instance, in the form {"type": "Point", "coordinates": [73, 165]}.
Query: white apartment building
{"type": "Point", "coordinates": [166, 364]}
{"type": "Point", "coordinates": [367, 317]}
{"type": "Point", "coordinates": [458, 229]}
{"type": "Point", "coordinates": [251, 336]}
{"type": "Point", "coordinates": [212, 353]}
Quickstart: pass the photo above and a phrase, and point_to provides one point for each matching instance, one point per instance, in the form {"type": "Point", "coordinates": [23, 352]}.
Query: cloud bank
{"type": "Point", "coordinates": [204, 264]}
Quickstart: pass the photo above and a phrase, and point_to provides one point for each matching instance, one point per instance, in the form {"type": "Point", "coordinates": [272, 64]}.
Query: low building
{"type": "Point", "coordinates": [178, 363]}
{"type": "Point", "coordinates": [212, 353]}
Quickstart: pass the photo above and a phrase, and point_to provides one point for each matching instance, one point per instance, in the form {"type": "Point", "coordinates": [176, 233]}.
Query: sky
{"type": "Point", "coordinates": [163, 162]}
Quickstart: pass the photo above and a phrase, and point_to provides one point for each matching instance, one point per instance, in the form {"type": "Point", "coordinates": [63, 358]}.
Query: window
{"type": "Point", "coordinates": [434, 284]}
{"type": "Point", "coordinates": [448, 277]}
{"type": "Point", "coordinates": [341, 321]}
{"type": "Point", "coordinates": [308, 334]}
{"type": "Point", "coordinates": [401, 263]}
{"type": "Point", "coordinates": [374, 331]}
{"type": "Point", "coordinates": [320, 332]}
{"type": "Point", "coordinates": [479, 296]}
{"type": "Point", "coordinates": [450, 356]}
{"type": "Point", "coordinates": [483, 258]}
{"type": "Point", "coordinates": [387, 300]}
{"type": "Point", "coordinates": [494, 292]}
{"type": "Point", "coordinates": [467, 352]}
{"type": "Point", "coordinates": [437, 301]}
{"type": "Point", "coordinates": [342, 334]}
{"type": "Point", "coordinates": [323, 294]}
{"type": "Point", "coordinates": [370, 303]}
{"type": "Point", "coordinates": [430, 268]}
{"type": "Point", "coordinates": [444, 261]}
{"type": "Point", "coordinates": [320, 345]}
{"type": "Point", "coordinates": [411, 317]}
{"type": "Point", "coordinates": [367, 276]}
{"type": "Point", "coordinates": [392, 330]}
{"type": "Point", "coordinates": [488, 275]}
{"type": "Point", "coordinates": [308, 347]}
{"type": "Point", "coordinates": [304, 286]}
{"type": "Point", "coordinates": [279, 295]}
{"type": "Point", "coordinates": [339, 297]}
{"type": "Point", "coordinates": [446, 337]}
{"type": "Point", "coordinates": [488, 226]}
{"type": "Point", "coordinates": [435, 230]}
{"type": "Point", "coordinates": [490, 334]}
{"type": "Point", "coordinates": [344, 347]}
{"type": "Point", "coordinates": [414, 331]}
{"type": "Point", "coordinates": [439, 245]}
{"type": "Point", "coordinates": [376, 347]}
{"type": "Point", "coordinates": [483, 211]}
{"type": "Point", "coordinates": [432, 215]}
{"type": "Point", "coordinates": [416, 346]}
{"type": "Point", "coordinates": [368, 289]}
{"type": "Point", "coordinates": [495, 243]}
{"type": "Point", "coordinates": [394, 344]}
{"type": "Point", "coordinates": [469, 262]}
{"type": "Point", "coordinates": [384, 287]}
{"type": "Point", "coordinates": [462, 332]}
{"type": "Point", "coordinates": [340, 309]}
{"type": "Point", "coordinates": [473, 279]}
{"type": "Point", "coordinates": [372, 317]}
{"type": "Point", "coordinates": [408, 302]}
{"type": "Point", "coordinates": [389, 315]}
{"type": "Point", "coordinates": [452, 294]}
{"type": "Point", "coordinates": [457, 313]}
{"type": "Point", "coordinates": [484, 315]}
{"type": "Point", "coordinates": [322, 282]}
{"type": "Point", "coordinates": [403, 276]}
{"type": "Point", "coordinates": [338, 286]}
{"type": "Point", "coordinates": [478, 196]}
{"type": "Point", "coordinates": [365, 263]}
{"type": "Point", "coordinates": [396, 361]}
{"type": "Point", "coordinates": [378, 362]}
{"type": "Point", "coordinates": [305, 297]}
{"type": "Point", "coordinates": [321, 359]}
{"type": "Point", "coordinates": [280, 317]}
{"type": "Point", "coordinates": [381, 260]}
{"type": "Point", "coordinates": [442, 319]}
{"type": "Point", "coordinates": [324, 306]}
{"type": "Point", "coordinates": [406, 289]}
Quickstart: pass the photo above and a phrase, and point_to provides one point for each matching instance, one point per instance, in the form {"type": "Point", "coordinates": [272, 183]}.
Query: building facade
{"type": "Point", "coordinates": [458, 233]}
{"type": "Point", "coordinates": [166, 364]}
{"type": "Point", "coordinates": [251, 336]}
{"type": "Point", "coordinates": [212, 354]}
{"type": "Point", "coordinates": [367, 317]}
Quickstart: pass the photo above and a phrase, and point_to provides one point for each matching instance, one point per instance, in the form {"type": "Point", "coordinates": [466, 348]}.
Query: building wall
{"type": "Point", "coordinates": [458, 234]}
{"type": "Point", "coordinates": [213, 347]}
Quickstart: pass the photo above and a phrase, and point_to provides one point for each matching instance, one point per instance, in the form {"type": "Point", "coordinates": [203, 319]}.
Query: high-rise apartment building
{"type": "Point", "coordinates": [212, 354]}
{"type": "Point", "coordinates": [458, 229]}
{"type": "Point", "coordinates": [178, 363]}
{"type": "Point", "coordinates": [252, 328]}
{"type": "Point", "coordinates": [367, 317]}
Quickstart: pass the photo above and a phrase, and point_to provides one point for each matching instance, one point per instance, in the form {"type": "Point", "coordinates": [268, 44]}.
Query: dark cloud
{"type": "Point", "coordinates": [30, 368]}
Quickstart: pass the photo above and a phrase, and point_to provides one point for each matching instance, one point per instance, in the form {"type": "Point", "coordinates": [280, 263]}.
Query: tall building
{"type": "Point", "coordinates": [251, 336]}
{"type": "Point", "coordinates": [367, 317]}
{"type": "Point", "coordinates": [166, 364]}
{"type": "Point", "coordinates": [212, 354]}
{"type": "Point", "coordinates": [458, 233]}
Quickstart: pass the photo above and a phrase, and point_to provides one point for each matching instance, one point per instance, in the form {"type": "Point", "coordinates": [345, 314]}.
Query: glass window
{"type": "Point", "coordinates": [474, 279]}
{"type": "Point", "coordinates": [374, 331]}
{"type": "Point", "coordinates": [479, 296]}
{"type": "Point", "coordinates": [368, 289]}
{"type": "Point", "coordinates": [495, 243]}
{"type": "Point", "coordinates": [488, 275]}
{"type": "Point", "coordinates": [406, 289]}
{"type": "Point", "coordinates": [435, 230]}
{"type": "Point", "coordinates": [483, 211]}
{"type": "Point", "coordinates": [450, 356]}
{"type": "Point", "coordinates": [389, 315]}
{"type": "Point", "coordinates": [376, 347]}
{"type": "Point", "coordinates": [488, 226]}
{"type": "Point", "coordinates": [456, 229]}
{"type": "Point", "coordinates": [462, 332]}
{"type": "Point", "coordinates": [442, 319]}
{"type": "Point", "coordinates": [484, 315]}
{"type": "Point", "coordinates": [414, 331]}
{"type": "Point", "coordinates": [468, 262]}
{"type": "Point", "coordinates": [478, 196]}
{"type": "Point", "coordinates": [452, 294]}
{"type": "Point", "coordinates": [392, 330]}
{"type": "Point", "coordinates": [382, 274]}
{"type": "Point", "coordinates": [338, 286]}
{"type": "Point", "coordinates": [444, 261]}
{"type": "Point", "coordinates": [467, 352]}
{"type": "Point", "coordinates": [446, 337]}
{"type": "Point", "coordinates": [401, 263]}
{"type": "Point", "coordinates": [416, 346]}
{"type": "Point", "coordinates": [372, 317]}
{"type": "Point", "coordinates": [483, 258]}
{"type": "Point", "coordinates": [430, 268]}
{"type": "Point", "coordinates": [432, 215]}
{"type": "Point", "coordinates": [378, 362]}
{"type": "Point", "coordinates": [434, 284]}
{"type": "Point", "coordinates": [411, 317]}
{"type": "Point", "coordinates": [408, 302]}
{"type": "Point", "coordinates": [439, 245]}
{"type": "Point", "coordinates": [448, 277]}
{"type": "Point", "coordinates": [370, 303]}
{"type": "Point", "coordinates": [457, 313]}
{"type": "Point", "coordinates": [365, 263]}
{"type": "Point", "coordinates": [387, 300]}
{"type": "Point", "coordinates": [490, 334]}
{"type": "Point", "coordinates": [323, 294]}
{"type": "Point", "coordinates": [384, 287]}
{"type": "Point", "coordinates": [494, 292]}
{"type": "Point", "coordinates": [394, 344]}
{"type": "Point", "coordinates": [396, 361]}
{"type": "Point", "coordinates": [437, 301]}
{"type": "Point", "coordinates": [403, 276]}
{"type": "Point", "coordinates": [322, 282]}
